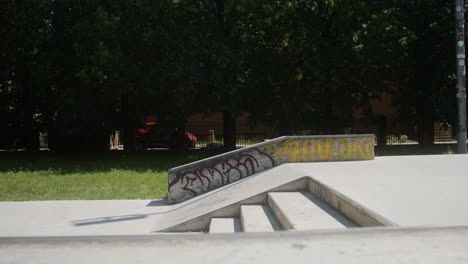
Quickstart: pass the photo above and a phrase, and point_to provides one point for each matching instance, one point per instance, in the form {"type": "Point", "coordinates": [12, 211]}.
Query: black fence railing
{"type": "Point", "coordinates": [18, 143]}
{"type": "Point", "coordinates": [443, 133]}
{"type": "Point", "coordinates": [12, 143]}
{"type": "Point", "coordinates": [210, 134]}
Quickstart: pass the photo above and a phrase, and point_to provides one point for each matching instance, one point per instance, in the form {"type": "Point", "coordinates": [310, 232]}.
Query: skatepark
{"type": "Point", "coordinates": [324, 198]}
{"type": "Point", "coordinates": [233, 132]}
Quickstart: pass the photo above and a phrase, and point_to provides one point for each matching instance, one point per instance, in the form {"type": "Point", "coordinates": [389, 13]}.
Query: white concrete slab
{"type": "Point", "coordinates": [408, 190]}
{"type": "Point", "coordinates": [358, 246]}
{"type": "Point", "coordinates": [295, 211]}
{"type": "Point", "coordinates": [258, 218]}
{"type": "Point", "coordinates": [70, 218]}
{"type": "Point", "coordinates": [223, 225]}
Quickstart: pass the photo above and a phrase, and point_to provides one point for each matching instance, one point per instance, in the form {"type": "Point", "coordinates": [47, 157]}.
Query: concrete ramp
{"type": "Point", "coordinates": [188, 181]}
{"type": "Point", "coordinates": [282, 198]}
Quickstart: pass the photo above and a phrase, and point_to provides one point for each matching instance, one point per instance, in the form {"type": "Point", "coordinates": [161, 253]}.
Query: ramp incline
{"type": "Point", "coordinates": [199, 177]}
{"type": "Point", "coordinates": [279, 199]}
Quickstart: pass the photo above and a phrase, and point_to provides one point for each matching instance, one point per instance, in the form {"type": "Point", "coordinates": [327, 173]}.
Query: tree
{"type": "Point", "coordinates": [308, 60]}
{"type": "Point", "coordinates": [426, 77]}
{"type": "Point", "coordinates": [24, 69]}
{"type": "Point", "coordinates": [80, 69]}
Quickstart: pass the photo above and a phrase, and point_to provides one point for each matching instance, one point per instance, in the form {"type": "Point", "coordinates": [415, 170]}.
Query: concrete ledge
{"type": "Point", "coordinates": [364, 246]}
{"type": "Point", "coordinates": [55, 240]}
{"type": "Point", "coordinates": [199, 177]}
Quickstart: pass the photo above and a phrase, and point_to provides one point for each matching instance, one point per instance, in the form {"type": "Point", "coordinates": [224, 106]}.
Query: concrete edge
{"type": "Point", "coordinates": [217, 237]}
{"type": "Point", "coordinates": [346, 206]}
{"type": "Point", "coordinates": [282, 218]}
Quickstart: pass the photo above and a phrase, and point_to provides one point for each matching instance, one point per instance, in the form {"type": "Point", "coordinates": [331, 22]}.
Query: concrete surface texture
{"type": "Point", "coordinates": [409, 190]}
{"type": "Point", "coordinates": [360, 246]}
{"type": "Point", "coordinates": [224, 225]}
{"type": "Point", "coordinates": [258, 218]}
{"type": "Point", "coordinates": [199, 177]}
{"type": "Point", "coordinates": [296, 211]}
{"type": "Point", "coordinates": [77, 218]}
{"type": "Point", "coordinates": [425, 195]}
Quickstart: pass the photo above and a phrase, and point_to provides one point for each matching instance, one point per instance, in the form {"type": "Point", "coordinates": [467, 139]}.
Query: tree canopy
{"type": "Point", "coordinates": [84, 68]}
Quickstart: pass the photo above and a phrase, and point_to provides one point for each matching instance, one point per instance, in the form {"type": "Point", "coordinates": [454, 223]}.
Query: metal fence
{"type": "Point", "coordinates": [209, 134]}
{"type": "Point", "coordinates": [9, 143]}
{"type": "Point", "coordinates": [18, 143]}
{"type": "Point", "coordinates": [443, 134]}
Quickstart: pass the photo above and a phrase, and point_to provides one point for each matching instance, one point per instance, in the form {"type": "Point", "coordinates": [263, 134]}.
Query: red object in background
{"type": "Point", "coordinates": [142, 131]}
{"type": "Point", "coordinates": [155, 136]}
{"type": "Point", "coordinates": [192, 137]}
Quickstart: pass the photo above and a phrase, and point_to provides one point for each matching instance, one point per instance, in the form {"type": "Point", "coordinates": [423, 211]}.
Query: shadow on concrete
{"type": "Point", "coordinates": [158, 203]}
{"type": "Point", "coordinates": [110, 219]}
{"type": "Point", "coordinates": [271, 218]}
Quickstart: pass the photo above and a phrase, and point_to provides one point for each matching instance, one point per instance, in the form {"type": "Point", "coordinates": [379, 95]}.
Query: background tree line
{"type": "Point", "coordinates": [81, 69]}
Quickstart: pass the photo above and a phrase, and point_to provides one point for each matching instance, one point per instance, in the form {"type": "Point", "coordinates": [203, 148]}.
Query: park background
{"type": "Point", "coordinates": [74, 74]}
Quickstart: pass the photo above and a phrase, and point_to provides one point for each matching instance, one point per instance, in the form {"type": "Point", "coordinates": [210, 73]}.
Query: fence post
{"type": "Point", "coordinates": [461, 71]}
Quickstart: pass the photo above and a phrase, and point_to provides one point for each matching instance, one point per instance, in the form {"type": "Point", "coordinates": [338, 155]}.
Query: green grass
{"type": "Point", "coordinates": [116, 175]}
{"type": "Point", "coordinates": [47, 176]}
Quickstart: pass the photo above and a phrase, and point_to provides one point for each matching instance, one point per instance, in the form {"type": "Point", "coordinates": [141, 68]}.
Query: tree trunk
{"type": "Point", "coordinates": [28, 132]}
{"type": "Point", "coordinates": [381, 132]}
{"type": "Point", "coordinates": [426, 131]}
{"type": "Point", "coordinates": [229, 130]}
{"type": "Point", "coordinates": [31, 137]}
{"type": "Point", "coordinates": [129, 140]}
{"type": "Point", "coordinates": [130, 120]}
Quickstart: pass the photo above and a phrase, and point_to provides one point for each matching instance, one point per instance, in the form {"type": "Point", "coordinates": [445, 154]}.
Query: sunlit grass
{"type": "Point", "coordinates": [47, 176]}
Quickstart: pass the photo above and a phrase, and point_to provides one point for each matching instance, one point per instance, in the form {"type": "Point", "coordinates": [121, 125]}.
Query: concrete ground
{"type": "Point", "coordinates": [77, 218]}
{"type": "Point", "coordinates": [408, 190]}
{"type": "Point", "coordinates": [363, 246]}
{"type": "Point", "coordinates": [411, 191]}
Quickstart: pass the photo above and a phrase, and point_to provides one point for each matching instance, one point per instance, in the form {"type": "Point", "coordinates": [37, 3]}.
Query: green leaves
{"type": "Point", "coordinates": [94, 66]}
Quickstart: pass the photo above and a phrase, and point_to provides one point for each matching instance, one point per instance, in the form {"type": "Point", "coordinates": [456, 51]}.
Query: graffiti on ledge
{"type": "Point", "coordinates": [206, 178]}
{"type": "Point", "coordinates": [208, 175]}
{"type": "Point", "coordinates": [322, 149]}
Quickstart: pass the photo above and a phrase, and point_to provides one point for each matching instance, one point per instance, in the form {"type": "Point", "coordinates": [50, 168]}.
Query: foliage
{"type": "Point", "coordinates": [80, 69]}
{"type": "Point", "coordinates": [426, 78]}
